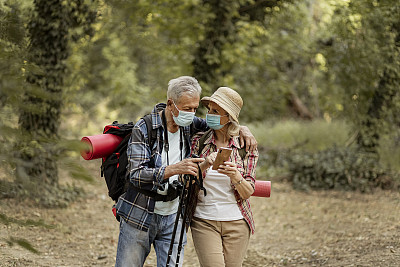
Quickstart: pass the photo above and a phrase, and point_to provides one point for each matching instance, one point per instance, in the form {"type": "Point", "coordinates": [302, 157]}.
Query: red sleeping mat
{"type": "Point", "coordinates": [99, 146]}
{"type": "Point", "coordinates": [262, 189]}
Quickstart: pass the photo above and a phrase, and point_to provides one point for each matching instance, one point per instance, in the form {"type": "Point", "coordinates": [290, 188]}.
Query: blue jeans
{"type": "Point", "coordinates": [134, 245]}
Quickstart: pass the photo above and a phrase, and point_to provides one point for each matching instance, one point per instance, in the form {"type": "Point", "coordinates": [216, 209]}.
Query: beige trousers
{"type": "Point", "coordinates": [220, 244]}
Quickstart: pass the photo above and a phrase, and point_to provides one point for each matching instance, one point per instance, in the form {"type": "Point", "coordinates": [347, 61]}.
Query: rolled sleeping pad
{"type": "Point", "coordinates": [100, 146]}
{"type": "Point", "coordinates": [262, 189]}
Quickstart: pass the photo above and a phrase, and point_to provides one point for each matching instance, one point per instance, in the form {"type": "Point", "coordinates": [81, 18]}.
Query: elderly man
{"type": "Point", "coordinates": [148, 208]}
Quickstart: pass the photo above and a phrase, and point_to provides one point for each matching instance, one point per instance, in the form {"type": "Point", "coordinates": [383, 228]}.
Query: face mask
{"type": "Point", "coordinates": [214, 121]}
{"type": "Point", "coordinates": [184, 118]}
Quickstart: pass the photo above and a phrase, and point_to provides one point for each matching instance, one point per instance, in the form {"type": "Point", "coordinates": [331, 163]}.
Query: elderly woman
{"type": "Point", "coordinates": [222, 220]}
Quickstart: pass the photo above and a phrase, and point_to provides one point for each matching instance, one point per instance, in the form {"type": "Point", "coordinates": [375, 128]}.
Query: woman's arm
{"type": "Point", "coordinates": [242, 186]}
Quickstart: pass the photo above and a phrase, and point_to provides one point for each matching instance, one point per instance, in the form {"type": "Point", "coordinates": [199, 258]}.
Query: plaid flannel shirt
{"type": "Point", "coordinates": [246, 167]}
{"type": "Point", "coordinates": [145, 170]}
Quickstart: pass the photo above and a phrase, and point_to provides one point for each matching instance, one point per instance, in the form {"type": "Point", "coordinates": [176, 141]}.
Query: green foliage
{"type": "Point", "coordinates": [12, 51]}
{"type": "Point", "coordinates": [6, 220]}
{"type": "Point", "coordinates": [138, 47]}
{"type": "Point", "coordinates": [364, 59]}
{"type": "Point", "coordinates": [13, 43]}
{"type": "Point", "coordinates": [280, 56]}
{"type": "Point", "coordinates": [338, 168]}
{"type": "Point", "coordinates": [318, 155]}
{"type": "Point", "coordinates": [76, 170]}
{"type": "Point", "coordinates": [88, 63]}
{"type": "Point", "coordinates": [52, 26]}
{"type": "Point", "coordinates": [219, 30]}
{"type": "Point", "coordinates": [34, 44]}
{"type": "Point", "coordinates": [309, 136]}
{"type": "Point", "coordinates": [389, 151]}
{"type": "Point", "coordinates": [278, 139]}
{"type": "Point", "coordinates": [22, 243]}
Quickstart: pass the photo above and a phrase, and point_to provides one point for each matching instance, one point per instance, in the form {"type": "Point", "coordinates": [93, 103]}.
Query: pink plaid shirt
{"type": "Point", "coordinates": [246, 167]}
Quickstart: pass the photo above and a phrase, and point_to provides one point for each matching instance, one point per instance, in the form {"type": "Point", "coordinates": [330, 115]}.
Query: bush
{"type": "Point", "coordinates": [314, 155]}
{"type": "Point", "coordinates": [338, 168]}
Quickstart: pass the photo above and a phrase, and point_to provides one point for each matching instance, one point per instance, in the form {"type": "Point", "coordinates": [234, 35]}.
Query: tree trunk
{"type": "Point", "coordinates": [40, 113]}
{"type": "Point", "coordinates": [208, 57]}
{"type": "Point", "coordinates": [220, 29]}
{"type": "Point", "coordinates": [370, 133]}
{"type": "Point", "coordinates": [382, 100]}
{"type": "Point", "coordinates": [297, 107]}
{"type": "Point", "coordinates": [49, 32]}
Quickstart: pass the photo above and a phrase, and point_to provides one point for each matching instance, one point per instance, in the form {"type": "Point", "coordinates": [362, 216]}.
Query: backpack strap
{"type": "Point", "coordinates": [151, 133]}
{"type": "Point", "coordinates": [242, 151]}
{"type": "Point", "coordinates": [203, 139]}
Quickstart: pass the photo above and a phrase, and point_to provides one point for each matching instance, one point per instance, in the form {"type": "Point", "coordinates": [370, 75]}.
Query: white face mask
{"type": "Point", "coordinates": [184, 118]}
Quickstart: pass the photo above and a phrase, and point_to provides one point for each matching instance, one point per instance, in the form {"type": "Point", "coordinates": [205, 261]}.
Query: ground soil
{"type": "Point", "coordinates": [293, 228]}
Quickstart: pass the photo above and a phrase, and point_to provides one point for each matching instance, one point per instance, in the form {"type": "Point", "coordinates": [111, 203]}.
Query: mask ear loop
{"type": "Point", "coordinates": [173, 102]}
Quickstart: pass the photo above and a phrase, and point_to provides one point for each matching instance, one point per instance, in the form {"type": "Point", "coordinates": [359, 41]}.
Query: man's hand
{"type": "Point", "coordinates": [246, 137]}
{"type": "Point", "coordinates": [186, 166]}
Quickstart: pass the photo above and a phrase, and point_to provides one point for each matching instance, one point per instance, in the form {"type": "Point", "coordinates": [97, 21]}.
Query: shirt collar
{"type": "Point", "coordinates": [233, 141]}
{"type": "Point", "coordinates": [155, 115]}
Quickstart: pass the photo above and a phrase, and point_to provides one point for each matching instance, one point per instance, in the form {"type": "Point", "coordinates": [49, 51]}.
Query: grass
{"type": "Point", "coordinates": [314, 136]}
{"type": "Point", "coordinates": [310, 136]}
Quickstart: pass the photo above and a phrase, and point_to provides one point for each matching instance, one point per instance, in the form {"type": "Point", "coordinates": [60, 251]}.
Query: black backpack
{"type": "Point", "coordinates": [114, 167]}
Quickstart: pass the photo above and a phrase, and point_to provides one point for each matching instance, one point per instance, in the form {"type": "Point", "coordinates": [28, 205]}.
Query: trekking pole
{"type": "Point", "coordinates": [187, 197]}
{"type": "Point", "coordinates": [178, 213]}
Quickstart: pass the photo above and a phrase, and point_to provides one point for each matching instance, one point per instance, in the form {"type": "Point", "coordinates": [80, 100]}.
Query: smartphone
{"type": "Point", "coordinates": [222, 156]}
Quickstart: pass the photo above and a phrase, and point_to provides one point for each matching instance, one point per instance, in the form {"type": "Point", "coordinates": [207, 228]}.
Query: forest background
{"type": "Point", "coordinates": [320, 80]}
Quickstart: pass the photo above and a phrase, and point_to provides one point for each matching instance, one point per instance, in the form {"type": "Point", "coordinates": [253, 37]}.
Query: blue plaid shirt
{"type": "Point", "coordinates": [145, 170]}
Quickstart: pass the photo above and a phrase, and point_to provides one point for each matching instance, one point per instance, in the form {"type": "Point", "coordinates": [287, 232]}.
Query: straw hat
{"type": "Point", "coordinates": [228, 99]}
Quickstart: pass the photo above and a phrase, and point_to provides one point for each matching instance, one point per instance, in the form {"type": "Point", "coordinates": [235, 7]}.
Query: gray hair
{"type": "Point", "coordinates": [183, 84]}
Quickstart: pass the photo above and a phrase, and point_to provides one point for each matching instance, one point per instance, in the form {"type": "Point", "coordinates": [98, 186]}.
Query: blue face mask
{"type": "Point", "coordinates": [184, 118]}
{"type": "Point", "coordinates": [214, 121]}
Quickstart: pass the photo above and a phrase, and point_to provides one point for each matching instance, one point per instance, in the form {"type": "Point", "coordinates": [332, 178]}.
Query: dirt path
{"type": "Point", "coordinates": [292, 228]}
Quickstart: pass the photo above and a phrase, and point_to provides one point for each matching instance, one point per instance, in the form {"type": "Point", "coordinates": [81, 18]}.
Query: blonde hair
{"type": "Point", "coordinates": [233, 127]}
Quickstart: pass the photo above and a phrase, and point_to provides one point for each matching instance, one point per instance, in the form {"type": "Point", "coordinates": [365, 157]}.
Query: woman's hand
{"type": "Point", "coordinates": [230, 169]}
{"type": "Point", "coordinates": [242, 186]}
{"type": "Point", "coordinates": [209, 161]}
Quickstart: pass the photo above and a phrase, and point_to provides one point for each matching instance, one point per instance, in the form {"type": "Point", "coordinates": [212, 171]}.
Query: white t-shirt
{"type": "Point", "coordinates": [174, 155]}
{"type": "Point", "coordinates": [220, 203]}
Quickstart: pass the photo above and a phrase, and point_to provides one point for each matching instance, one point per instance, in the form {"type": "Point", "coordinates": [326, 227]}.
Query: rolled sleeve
{"type": "Point", "coordinates": [250, 163]}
